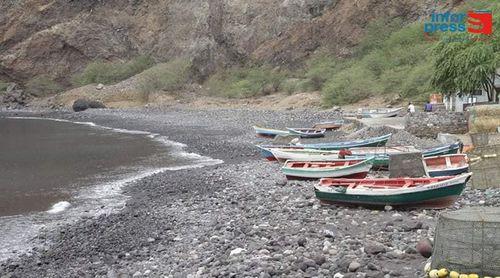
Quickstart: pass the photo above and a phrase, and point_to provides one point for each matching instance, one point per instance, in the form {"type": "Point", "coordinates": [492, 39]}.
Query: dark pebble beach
{"type": "Point", "coordinates": [236, 219]}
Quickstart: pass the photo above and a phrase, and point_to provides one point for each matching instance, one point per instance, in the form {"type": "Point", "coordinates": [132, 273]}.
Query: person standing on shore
{"type": "Point", "coordinates": [428, 107]}
{"type": "Point", "coordinates": [411, 108]}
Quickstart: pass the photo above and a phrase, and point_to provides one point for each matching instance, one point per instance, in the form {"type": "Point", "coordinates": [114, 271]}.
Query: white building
{"type": "Point", "coordinates": [459, 103]}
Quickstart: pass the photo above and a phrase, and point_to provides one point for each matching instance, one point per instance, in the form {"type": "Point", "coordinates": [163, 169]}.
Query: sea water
{"type": "Point", "coordinates": [54, 171]}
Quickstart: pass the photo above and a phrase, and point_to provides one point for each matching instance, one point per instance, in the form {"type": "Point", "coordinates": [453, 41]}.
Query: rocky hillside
{"type": "Point", "coordinates": [59, 37]}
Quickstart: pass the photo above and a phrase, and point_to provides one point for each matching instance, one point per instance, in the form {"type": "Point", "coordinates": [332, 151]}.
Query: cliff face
{"type": "Point", "coordinates": [59, 37]}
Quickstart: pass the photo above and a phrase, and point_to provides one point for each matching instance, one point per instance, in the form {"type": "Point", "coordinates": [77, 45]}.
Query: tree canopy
{"type": "Point", "coordinates": [465, 63]}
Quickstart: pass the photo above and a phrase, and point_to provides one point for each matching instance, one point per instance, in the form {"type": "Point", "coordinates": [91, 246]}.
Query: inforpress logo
{"type": "Point", "coordinates": [474, 22]}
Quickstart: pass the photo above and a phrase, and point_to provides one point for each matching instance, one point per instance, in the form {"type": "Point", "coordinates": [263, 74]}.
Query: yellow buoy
{"type": "Point", "coordinates": [427, 267]}
{"type": "Point", "coordinates": [433, 273]}
{"type": "Point", "coordinates": [463, 276]}
{"type": "Point", "coordinates": [443, 272]}
{"type": "Point", "coordinates": [454, 274]}
{"type": "Point", "coordinates": [473, 276]}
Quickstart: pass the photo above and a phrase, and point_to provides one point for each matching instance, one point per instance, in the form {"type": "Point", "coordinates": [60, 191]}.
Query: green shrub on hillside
{"type": "Point", "coordinates": [417, 82]}
{"type": "Point", "coordinates": [376, 34]}
{"type": "Point", "coordinates": [245, 82]}
{"type": "Point", "coordinates": [350, 85]}
{"type": "Point", "coordinates": [42, 85]}
{"type": "Point", "coordinates": [3, 85]}
{"type": "Point", "coordinates": [294, 85]}
{"type": "Point", "coordinates": [111, 72]}
{"type": "Point", "coordinates": [169, 76]}
{"type": "Point", "coordinates": [322, 67]}
{"type": "Point", "coordinates": [397, 63]}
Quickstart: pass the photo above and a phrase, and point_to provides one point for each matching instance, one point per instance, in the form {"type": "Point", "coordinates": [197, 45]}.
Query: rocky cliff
{"type": "Point", "coordinates": [59, 37]}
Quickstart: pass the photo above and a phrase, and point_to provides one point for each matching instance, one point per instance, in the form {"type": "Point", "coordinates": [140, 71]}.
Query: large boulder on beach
{"type": "Point", "coordinates": [83, 104]}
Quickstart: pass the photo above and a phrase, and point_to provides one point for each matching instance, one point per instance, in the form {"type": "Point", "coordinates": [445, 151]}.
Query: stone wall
{"type": "Point", "coordinates": [429, 124]}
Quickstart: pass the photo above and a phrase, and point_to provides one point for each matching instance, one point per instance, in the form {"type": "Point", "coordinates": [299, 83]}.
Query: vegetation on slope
{"type": "Point", "coordinates": [169, 76]}
{"type": "Point", "coordinates": [111, 72]}
{"type": "Point", "coordinates": [42, 86]}
{"type": "Point", "coordinates": [245, 82]}
{"type": "Point", "coordinates": [393, 58]}
{"type": "Point", "coordinates": [397, 63]}
{"type": "Point", "coordinates": [3, 86]}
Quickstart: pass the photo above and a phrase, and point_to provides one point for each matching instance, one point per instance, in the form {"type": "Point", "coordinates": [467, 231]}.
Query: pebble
{"type": "Point", "coordinates": [236, 251]}
{"type": "Point", "coordinates": [354, 266]}
{"type": "Point", "coordinates": [244, 202]}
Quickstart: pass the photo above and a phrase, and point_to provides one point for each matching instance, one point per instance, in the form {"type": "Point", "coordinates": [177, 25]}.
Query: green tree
{"type": "Point", "coordinates": [464, 64]}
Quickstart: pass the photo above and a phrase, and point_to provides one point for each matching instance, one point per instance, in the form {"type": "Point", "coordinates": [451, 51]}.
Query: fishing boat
{"type": "Point", "coordinates": [381, 159]}
{"type": "Point", "coordinates": [265, 150]}
{"type": "Point", "coordinates": [379, 112]}
{"type": "Point", "coordinates": [438, 192]}
{"type": "Point", "coordinates": [442, 150]}
{"type": "Point", "coordinates": [332, 169]}
{"type": "Point", "coordinates": [447, 165]}
{"type": "Point", "coordinates": [371, 142]}
{"type": "Point", "coordinates": [329, 125]}
{"type": "Point", "coordinates": [269, 132]}
{"type": "Point", "coordinates": [284, 154]}
{"type": "Point", "coordinates": [307, 132]}
{"type": "Point", "coordinates": [380, 150]}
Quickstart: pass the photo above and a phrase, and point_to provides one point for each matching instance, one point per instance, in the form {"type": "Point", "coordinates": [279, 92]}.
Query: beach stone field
{"type": "Point", "coordinates": [240, 218]}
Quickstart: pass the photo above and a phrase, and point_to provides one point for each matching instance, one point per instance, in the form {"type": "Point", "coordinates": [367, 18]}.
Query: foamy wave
{"type": "Point", "coordinates": [59, 207]}
{"type": "Point", "coordinates": [113, 188]}
{"type": "Point", "coordinates": [90, 201]}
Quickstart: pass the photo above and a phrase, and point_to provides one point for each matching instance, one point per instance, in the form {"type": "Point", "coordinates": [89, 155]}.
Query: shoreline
{"type": "Point", "coordinates": [99, 196]}
{"type": "Point", "coordinates": [238, 218]}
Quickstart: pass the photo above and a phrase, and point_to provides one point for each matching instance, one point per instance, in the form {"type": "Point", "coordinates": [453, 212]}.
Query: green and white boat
{"type": "Point", "coordinates": [438, 192]}
{"type": "Point", "coordinates": [332, 169]}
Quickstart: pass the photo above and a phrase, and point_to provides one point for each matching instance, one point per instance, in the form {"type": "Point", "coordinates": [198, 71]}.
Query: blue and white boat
{"type": "Point", "coordinates": [371, 142]}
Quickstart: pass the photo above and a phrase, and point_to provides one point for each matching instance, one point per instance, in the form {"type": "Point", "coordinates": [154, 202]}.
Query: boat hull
{"type": "Point", "coordinates": [360, 175]}
{"type": "Point", "coordinates": [439, 195]}
{"type": "Point", "coordinates": [360, 170]}
{"type": "Point", "coordinates": [309, 133]}
{"type": "Point", "coordinates": [448, 172]}
{"type": "Point", "coordinates": [385, 114]}
{"type": "Point", "coordinates": [265, 151]}
{"type": "Point", "coordinates": [443, 150]}
{"type": "Point", "coordinates": [372, 142]}
{"type": "Point", "coordinates": [269, 133]}
{"type": "Point", "coordinates": [283, 155]}
{"type": "Point", "coordinates": [329, 125]}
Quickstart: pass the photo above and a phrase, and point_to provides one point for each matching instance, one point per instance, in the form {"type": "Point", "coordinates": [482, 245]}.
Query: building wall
{"type": "Point", "coordinates": [456, 102]}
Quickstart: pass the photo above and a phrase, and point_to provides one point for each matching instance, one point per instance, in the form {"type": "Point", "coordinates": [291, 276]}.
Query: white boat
{"type": "Point", "coordinates": [379, 112]}
{"type": "Point", "coordinates": [284, 154]}
{"type": "Point", "coordinates": [382, 150]}
{"type": "Point", "coordinates": [307, 132]}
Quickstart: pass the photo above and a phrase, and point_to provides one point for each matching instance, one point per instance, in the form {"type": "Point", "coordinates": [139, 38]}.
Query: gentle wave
{"type": "Point", "coordinates": [94, 200]}
{"type": "Point", "coordinates": [59, 207]}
